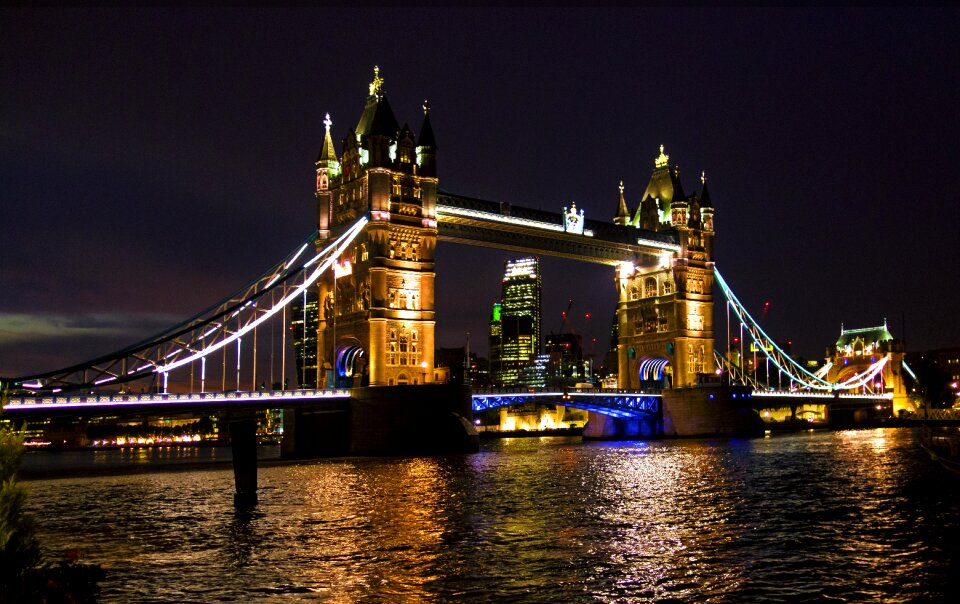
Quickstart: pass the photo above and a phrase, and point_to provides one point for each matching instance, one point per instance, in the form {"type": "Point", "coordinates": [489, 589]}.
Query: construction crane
{"type": "Point", "coordinates": [763, 313]}
{"type": "Point", "coordinates": [565, 318]}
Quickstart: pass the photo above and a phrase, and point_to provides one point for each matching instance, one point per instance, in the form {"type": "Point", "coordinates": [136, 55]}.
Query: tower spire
{"type": "Point", "coordinates": [623, 213]}
{"type": "Point", "coordinates": [327, 152]}
{"type": "Point", "coordinates": [376, 86]}
{"type": "Point", "coordinates": [662, 160]}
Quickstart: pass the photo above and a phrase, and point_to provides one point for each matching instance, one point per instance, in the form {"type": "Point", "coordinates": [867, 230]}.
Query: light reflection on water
{"type": "Point", "coordinates": [854, 516]}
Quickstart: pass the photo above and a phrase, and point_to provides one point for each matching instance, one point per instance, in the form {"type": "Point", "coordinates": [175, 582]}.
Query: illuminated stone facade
{"type": "Point", "coordinates": [377, 315]}
{"type": "Point", "coordinates": [665, 304]}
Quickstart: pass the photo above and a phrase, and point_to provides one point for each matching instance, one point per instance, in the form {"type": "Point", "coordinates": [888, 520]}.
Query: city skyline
{"type": "Point", "coordinates": [144, 180]}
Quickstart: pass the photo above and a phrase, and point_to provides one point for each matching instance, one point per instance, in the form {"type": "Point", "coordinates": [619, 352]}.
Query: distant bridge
{"type": "Point", "coordinates": [616, 403]}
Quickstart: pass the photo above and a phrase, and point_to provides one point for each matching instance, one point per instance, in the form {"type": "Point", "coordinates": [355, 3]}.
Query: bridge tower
{"type": "Point", "coordinates": [857, 349]}
{"type": "Point", "coordinates": [665, 305]}
{"type": "Point", "coordinates": [377, 314]}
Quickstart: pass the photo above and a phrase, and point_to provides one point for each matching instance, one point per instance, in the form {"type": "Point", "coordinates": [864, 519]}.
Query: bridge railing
{"type": "Point", "coordinates": [147, 398]}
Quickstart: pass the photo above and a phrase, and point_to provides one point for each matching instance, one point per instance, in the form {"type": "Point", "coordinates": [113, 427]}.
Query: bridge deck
{"type": "Point", "coordinates": [133, 404]}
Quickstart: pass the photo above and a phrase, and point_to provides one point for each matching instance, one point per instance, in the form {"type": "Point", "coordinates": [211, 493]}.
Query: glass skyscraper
{"type": "Point", "coordinates": [515, 322]}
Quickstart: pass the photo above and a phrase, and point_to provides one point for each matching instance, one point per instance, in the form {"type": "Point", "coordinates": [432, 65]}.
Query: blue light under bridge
{"type": "Point", "coordinates": [613, 402]}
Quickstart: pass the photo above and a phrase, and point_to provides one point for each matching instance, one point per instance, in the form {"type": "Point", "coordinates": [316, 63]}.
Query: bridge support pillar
{"type": "Point", "coordinates": [243, 446]}
{"type": "Point", "coordinates": [605, 427]}
{"type": "Point", "coordinates": [710, 411]}
{"type": "Point", "coordinates": [386, 420]}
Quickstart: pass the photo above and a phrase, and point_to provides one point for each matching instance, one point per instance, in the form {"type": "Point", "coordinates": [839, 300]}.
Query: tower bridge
{"type": "Point", "coordinates": [367, 277]}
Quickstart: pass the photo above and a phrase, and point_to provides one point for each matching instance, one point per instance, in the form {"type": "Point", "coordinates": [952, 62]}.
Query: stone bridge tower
{"type": "Point", "coordinates": [376, 312]}
{"type": "Point", "coordinates": [665, 305]}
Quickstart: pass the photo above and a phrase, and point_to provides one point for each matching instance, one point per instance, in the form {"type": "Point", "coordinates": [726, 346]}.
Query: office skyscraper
{"type": "Point", "coordinates": [515, 322]}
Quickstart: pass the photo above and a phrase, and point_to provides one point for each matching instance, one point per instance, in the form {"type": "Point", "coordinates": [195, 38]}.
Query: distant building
{"type": "Point", "coordinates": [947, 359]}
{"type": "Point", "coordinates": [566, 366]}
{"type": "Point", "coordinates": [515, 322]}
{"type": "Point", "coordinates": [304, 319]}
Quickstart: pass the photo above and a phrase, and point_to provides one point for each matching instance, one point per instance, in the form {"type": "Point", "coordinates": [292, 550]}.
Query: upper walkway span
{"type": "Point", "coordinates": [472, 221]}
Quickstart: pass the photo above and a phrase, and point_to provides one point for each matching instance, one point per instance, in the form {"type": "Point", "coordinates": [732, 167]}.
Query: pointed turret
{"type": "Point", "coordinates": [427, 145]}
{"type": "Point", "coordinates": [706, 206]}
{"type": "Point", "coordinates": [623, 213]}
{"type": "Point", "coordinates": [327, 168]}
{"type": "Point", "coordinates": [705, 193]}
{"type": "Point", "coordinates": [664, 185]}
{"type": "Point", "coordinates": [377, 127]}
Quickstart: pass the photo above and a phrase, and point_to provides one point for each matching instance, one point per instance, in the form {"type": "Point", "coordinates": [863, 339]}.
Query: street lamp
{"type": "Point", "coordinates": [423, 365]}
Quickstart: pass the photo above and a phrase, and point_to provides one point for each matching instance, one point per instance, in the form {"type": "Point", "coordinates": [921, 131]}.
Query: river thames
{"type": "Point", "coordinates": [847, 516]}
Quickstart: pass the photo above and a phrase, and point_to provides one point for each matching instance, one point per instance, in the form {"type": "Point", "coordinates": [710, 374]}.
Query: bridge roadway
{"type": "Point", "coordinates": [617, 403]}
{"type": "Point", "coordinates": [131, 404]}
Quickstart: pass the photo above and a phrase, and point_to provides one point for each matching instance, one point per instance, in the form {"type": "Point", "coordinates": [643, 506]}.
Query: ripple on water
{"type": "Point", "coordinates": [846, 516]}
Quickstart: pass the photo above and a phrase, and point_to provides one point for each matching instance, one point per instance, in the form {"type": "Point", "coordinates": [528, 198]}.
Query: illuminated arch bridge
{"type": "Point", "coordinates": [615, 403]}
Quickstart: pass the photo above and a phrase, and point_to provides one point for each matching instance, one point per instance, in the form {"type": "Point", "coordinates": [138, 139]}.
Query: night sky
{"type": "Point", "coordinates": [152, 161]}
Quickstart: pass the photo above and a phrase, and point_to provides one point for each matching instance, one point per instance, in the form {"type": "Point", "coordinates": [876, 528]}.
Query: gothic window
{"type": "Point", "coordinates": [667, 287]}
{"type": "Point", "coordinates": [402, 299]}
{"type": "Point", "coordinates": [649, 287]}
{"type": "Point", "coordinates": [634, 292]}
{"type": "Point", "coordinates": [393, 250]}
{"type": "Point", "coordinates": [364, 252]}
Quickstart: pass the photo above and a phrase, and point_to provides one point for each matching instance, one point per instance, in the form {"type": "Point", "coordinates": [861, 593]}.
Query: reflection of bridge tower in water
{"type": "Point", "coordinates": [665, 305]}
{"type": "Point", "coordinates": [377, 311]}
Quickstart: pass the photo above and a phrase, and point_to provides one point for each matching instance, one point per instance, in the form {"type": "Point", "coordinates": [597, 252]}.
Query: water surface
{"type": "Point", "coordinates": [823, 516]}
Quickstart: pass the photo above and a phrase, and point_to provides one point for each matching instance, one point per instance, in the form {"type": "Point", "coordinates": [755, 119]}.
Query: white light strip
{"type": "Point", "coordinates": [499, 218]}
{"type": "Point", "coordinates": [274, 280]}
{"type": "Point", "coordinates": [178, 399]}
{"type": "Point", "coordinates": [560, 394]}
{"type": "Point", "coordinates": [343, 242]}
{"type": "Point", "coordinates": [907, 368]}
{"type": "Point", "coordinates": [295, 256]}
{"type": "Point", "coordinates": [673, 247]}
{"type": "Point", "coordinates": [323, 253]}
{"type": "Point", "coordinates": [867, 375]}
{"type": "Point", "coordinates": [105, 380]}
{"type": "Point", "coordinates": [823, 395]}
